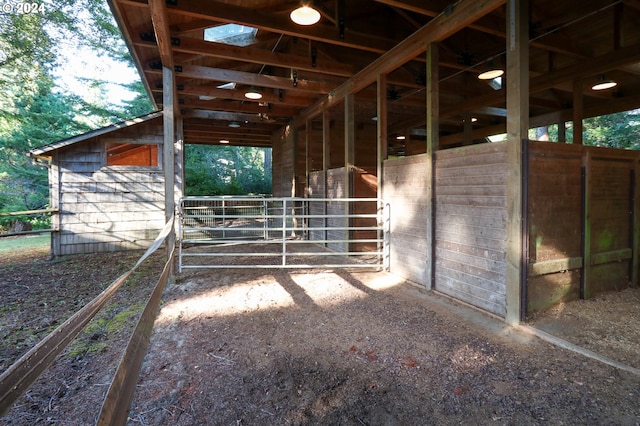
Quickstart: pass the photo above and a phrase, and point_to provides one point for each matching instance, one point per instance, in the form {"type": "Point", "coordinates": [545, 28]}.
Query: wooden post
{"type": "Point", "coordinates": [381, 152]}
{"type": "Point", "coordinates": [433, 125]}
{"type": "Point", "coordinates": [326, 162]}
{"type": "Point", "coordinates": [179, 161]}
{"type": "Point", "coordinates": [307, 159]}
{"type": "Point", "coordinates": [586, 225]}
{"type": "Point", "coordinates": [578, 111]}
{"type": "Point", "coordinates": [562, 131]}
{"type": "Point", "coordinates": [517, 131]}
{"type": "Point", "coordinates": [349, 140]}
{"type": "Point", "coordinates": [381, 114]}
{"type": "Point", "coordinates": [635, 260]}
{"type": "Point", "coordinates": [349, 158]}
{"type": "Point", "coordinates": [168, 102]}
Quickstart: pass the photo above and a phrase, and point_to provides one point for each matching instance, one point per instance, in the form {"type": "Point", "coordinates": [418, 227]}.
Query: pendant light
{"type": "Point", "coordinates": [253, 94]}
{"type": "Point", "coordinates": [491, 72]}
{"type": "Point", "coordinates": [305, 15]}
{"type": "Point", "coordinates": [604, 84]}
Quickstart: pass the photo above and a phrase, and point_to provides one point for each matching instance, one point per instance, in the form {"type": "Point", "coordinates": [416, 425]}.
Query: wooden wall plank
{"type": "Point", "coordinates": [470, 225]}
{"type": "Point", "coordinates": [404, 185]}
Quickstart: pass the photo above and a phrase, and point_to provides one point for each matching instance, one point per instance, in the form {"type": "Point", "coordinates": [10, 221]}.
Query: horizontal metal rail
{"type": "Point", "coordinates": [245, 232]}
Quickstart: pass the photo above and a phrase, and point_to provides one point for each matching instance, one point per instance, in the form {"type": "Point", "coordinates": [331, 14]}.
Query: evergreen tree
{"type": "Point", "coordinates": [34, 110]}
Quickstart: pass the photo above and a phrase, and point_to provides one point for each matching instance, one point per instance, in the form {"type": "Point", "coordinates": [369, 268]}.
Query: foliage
{"type": "Point", "coordinates": [621, 130]}
{"type": "Point", "coordinates": [34, 109]}
{"type": "Point", "coordinates": [226, 170]}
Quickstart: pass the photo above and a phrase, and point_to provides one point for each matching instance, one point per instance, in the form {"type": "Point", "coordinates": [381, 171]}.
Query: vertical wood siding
{"type": "Point", "coordinates": [404, 194]}
{"type": "Point", "coordinates": [470, 228]}
{"type": "Point", "coordinates": [106, 208]}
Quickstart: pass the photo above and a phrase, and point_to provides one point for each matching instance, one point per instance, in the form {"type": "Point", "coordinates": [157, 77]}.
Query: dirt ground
{"type": "Point", "coordinates": [254, 347]}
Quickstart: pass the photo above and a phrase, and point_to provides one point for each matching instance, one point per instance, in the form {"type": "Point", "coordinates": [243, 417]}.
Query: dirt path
{"type": "Point", "coordinates": [249, 347]}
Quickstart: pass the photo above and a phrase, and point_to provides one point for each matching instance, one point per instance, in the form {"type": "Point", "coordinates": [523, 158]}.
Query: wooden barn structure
{"type": "Point", "coordinates": [385, 96]}
{"type": "Point", "coordinates": [106, 187]}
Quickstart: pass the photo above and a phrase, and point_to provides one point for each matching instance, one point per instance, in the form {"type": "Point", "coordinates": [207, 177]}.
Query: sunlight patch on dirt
{"type": "Point", "coordinates": [322, 289]}
{"type": "Point", "coordinates": [241, 298]}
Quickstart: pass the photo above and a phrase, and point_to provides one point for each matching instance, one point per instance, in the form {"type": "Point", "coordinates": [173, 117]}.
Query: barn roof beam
{"type": "Point", "coordinates": [260, 56]}
{"type": "Point", "coordinates": [224, 75]}
{"type": "Point", "coordinates": [447, 23]}
{"type": "Point", "coordinates": [160, 20]}
{"type": "Point", "coordinates": [297, 99]}
{"type": "Point", "coordinates": [227, 13]}
{"type": "Point", "coordinates": [244, 107]}
{"type": "Point", "coordinates": [226, 116]}
{"type": "Point", "coordinates": [624, 56]}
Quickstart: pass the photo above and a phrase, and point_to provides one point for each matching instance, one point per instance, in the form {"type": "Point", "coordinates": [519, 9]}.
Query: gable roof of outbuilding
{"type": "Point", "coordinates": [46, 150]}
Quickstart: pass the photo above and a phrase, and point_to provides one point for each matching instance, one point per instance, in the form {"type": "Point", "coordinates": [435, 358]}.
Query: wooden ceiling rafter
{"type": "Point", "coordinates": [160, 20]}
{"type": "Point", "coordinates": [566, 43]}
{"type": "Point", "coordinates": [260, 56]}
{"type": "Point", "coordinates": [552, 79]}
{"type": "Point", "coordinates": [232, 14]}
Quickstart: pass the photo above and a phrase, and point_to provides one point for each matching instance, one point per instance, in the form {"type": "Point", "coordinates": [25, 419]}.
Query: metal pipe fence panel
{"type": "Point", "coordinates": [259, 232]}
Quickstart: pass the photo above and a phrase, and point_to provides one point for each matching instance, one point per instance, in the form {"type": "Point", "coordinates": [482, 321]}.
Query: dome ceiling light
{"type": "Point", "coordinates": [604, 84]}
{"type": "Point", "coordinates": [305, 15]}
{"type": "Point", "coordinates": [253, 94]}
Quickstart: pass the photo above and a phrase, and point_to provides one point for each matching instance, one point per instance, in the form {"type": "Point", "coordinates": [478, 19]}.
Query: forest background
{"type": "Point", "coordinates": [36, 108]}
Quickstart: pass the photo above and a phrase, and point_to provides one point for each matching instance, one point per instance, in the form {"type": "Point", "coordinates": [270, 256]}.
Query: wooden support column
{"type": "Point", "coordinates": [635, 260]}
{"type": "Point", "coordinates": [307, 160]}
{"type": "Point", "coordinates": [349, 159]}
{"type": "Point", "coordinates": [517, 130]}
{"type": "Point", "coordinates": [326, 162]}
{"type": "Point", "coordinates": [168, 102]}
{"type": "Point", "coordinates": [585, 277]}
{"type": "Point", "coordinates": [294, 166]}
{"type": "Point", "coordinates": [349, 141]}
{"type": "Point", "coordinates": [578, 111]}
{"type": "Point", "coordinates": [433, 127]}
{"type": "Point", "coordinates": [326, 141]}
{"type": "Point", "coordinates": [562, 131]}
{"type": "Point", "coordinates": [381, 114]}
{"type": "Point", "coordinates": [179, 160]}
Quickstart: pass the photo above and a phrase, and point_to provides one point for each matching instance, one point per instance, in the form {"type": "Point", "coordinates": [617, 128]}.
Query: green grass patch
{"type": "Point", "coordinates": [25, 243]}
{"type": "Point", "coordinates": [103, 328]}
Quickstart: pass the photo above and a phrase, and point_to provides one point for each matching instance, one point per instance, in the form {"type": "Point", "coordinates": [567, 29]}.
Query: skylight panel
{"type": "Point", "coordinates": [232, 34]}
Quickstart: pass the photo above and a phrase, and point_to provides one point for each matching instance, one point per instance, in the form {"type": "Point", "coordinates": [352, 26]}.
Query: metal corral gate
{"type": "Point", "coordinates": [261, 232]}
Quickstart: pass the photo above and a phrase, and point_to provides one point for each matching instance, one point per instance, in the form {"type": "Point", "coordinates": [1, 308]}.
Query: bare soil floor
{"type": "Point", "coordinates": [254, 347]}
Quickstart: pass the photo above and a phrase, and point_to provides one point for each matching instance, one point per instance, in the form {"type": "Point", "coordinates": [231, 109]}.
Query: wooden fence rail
{"type": "Point", "coordinates": [21, 375]}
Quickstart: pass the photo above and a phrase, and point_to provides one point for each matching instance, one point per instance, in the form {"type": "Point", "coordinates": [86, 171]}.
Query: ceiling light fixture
{"type": "Point", "coordinates": [305, 15]}
{"type": "Point", "coordinates": [604, 84]}
{"type": "Point", "coordinates": [234, 124]}
{"type": "Point", "coordinates": [491, 72]}
{"type": "Point", "coordinates": [224, 141]}
{"type": "Point", "coordinates": [253, 94]}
